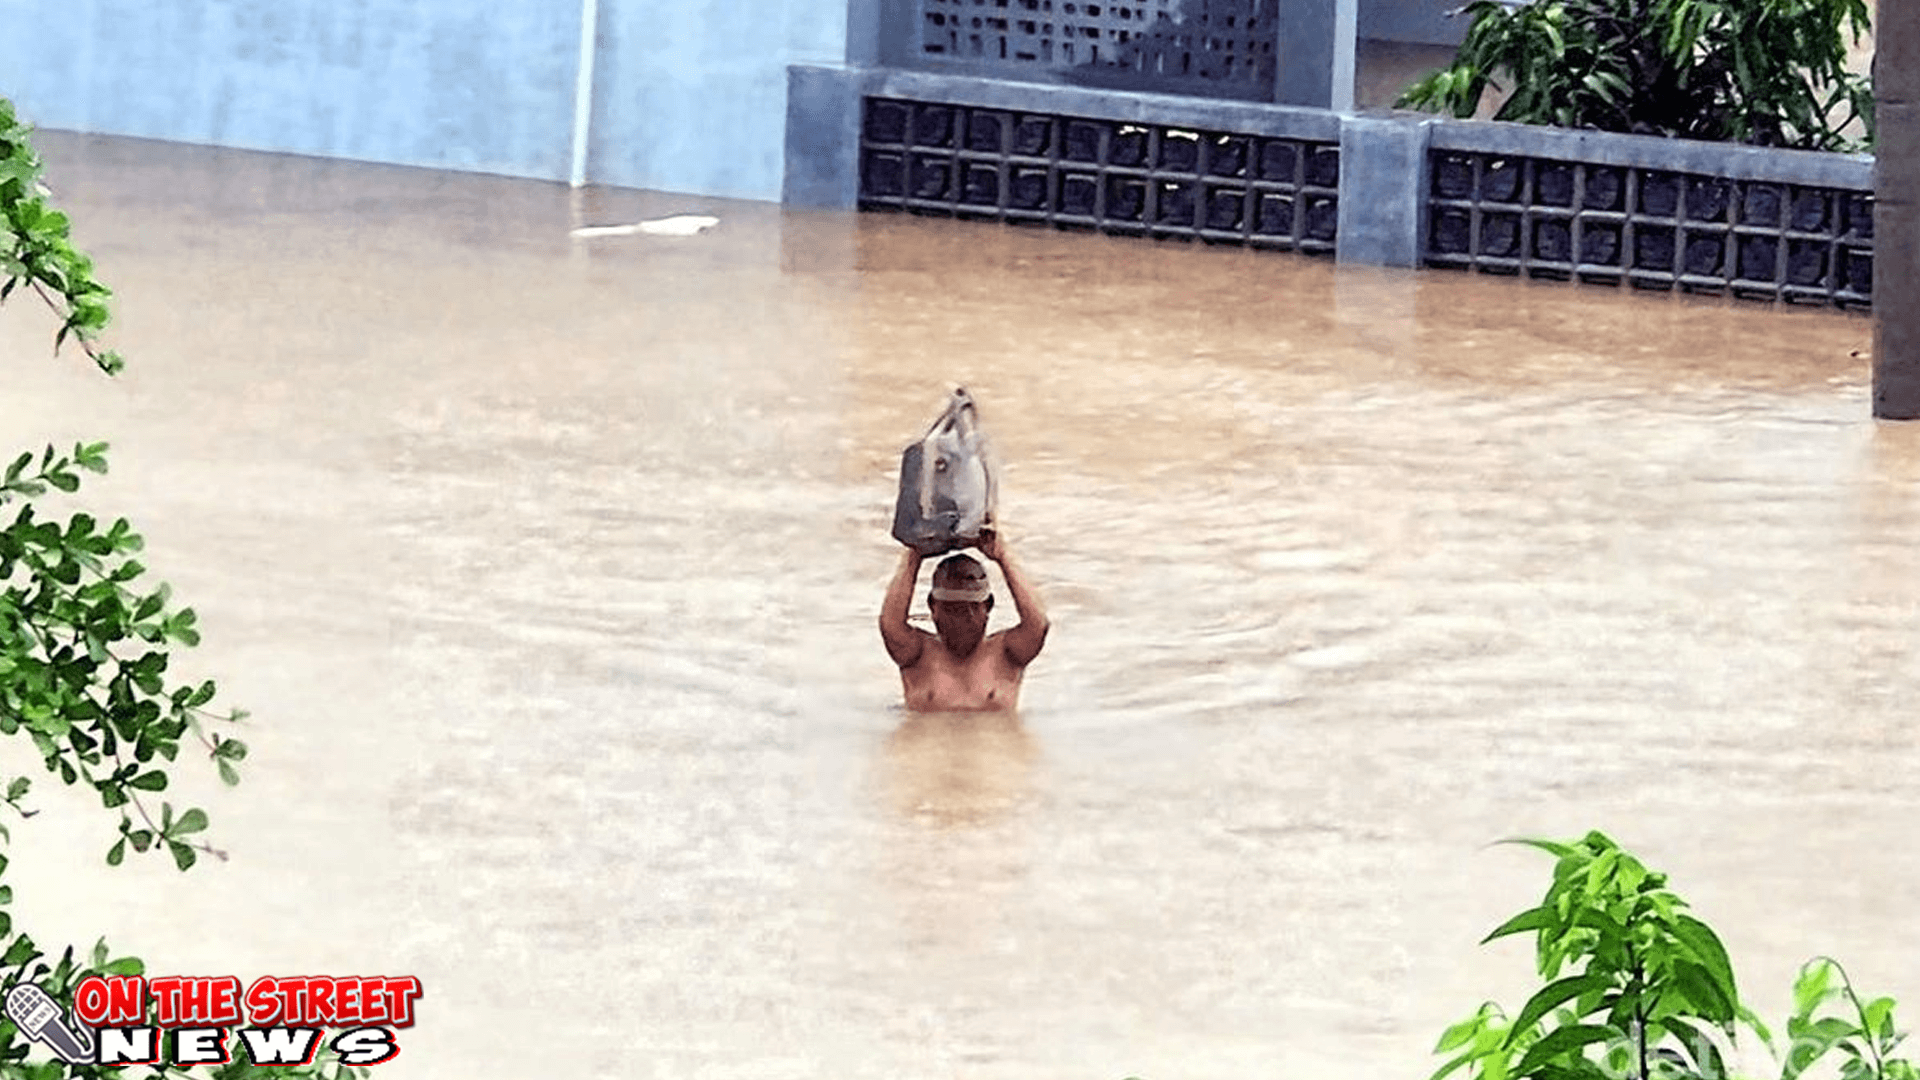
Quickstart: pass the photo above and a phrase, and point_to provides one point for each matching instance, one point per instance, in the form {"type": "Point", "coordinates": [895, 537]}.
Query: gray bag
{"type": "Point", "coordinates": [947, 488]}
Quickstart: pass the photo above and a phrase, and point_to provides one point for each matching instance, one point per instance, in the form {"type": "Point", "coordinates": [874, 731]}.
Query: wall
{"type": "Point", "coordinates": [447, 83]}
{"type": "Point", "coordinates": [1375, 189]}
{"type": "Point", "coordinates": [688, 97]}
{"type": "Point", "coordinates": [693, 96]}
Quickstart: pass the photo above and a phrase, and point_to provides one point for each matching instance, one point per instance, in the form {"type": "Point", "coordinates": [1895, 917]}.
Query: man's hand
{"type": "Point", "coordinates": [990, 545]}
{"type": "Point", "coordinates": [1024, 640]}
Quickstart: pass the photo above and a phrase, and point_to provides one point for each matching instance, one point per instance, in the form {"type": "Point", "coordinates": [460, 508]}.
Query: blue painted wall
{"type": "Point", "coordinates": [455, 84]}
{"type": "Point", "coordinates": [689, 96]}
{"type": "Point", "coordinates": [693, 96]}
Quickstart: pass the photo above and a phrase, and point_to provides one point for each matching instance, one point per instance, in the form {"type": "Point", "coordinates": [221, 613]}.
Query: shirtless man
{"type": "Point", "coordinates": [960, 667]}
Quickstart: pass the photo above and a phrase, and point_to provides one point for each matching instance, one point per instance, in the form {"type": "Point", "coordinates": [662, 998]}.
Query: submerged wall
{"type": "Point", "coordinates": [686, 97]}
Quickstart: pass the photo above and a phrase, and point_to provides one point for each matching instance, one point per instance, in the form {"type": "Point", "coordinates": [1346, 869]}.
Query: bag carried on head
{"type": "Point", "coordinates": [947, 487]}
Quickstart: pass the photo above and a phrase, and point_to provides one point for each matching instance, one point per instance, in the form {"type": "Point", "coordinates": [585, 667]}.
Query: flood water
{"type": "Point", "coordinates": [549, 572]}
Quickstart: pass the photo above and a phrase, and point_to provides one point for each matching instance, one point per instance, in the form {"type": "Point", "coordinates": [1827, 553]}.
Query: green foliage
{"type": "Point", "coordinates": [1638, 988]}
{"type": "Point", "coordinates": [86, 641]}
{"type": "Point", "coordinates": [1864, 1032]}
{"type": "Point", "coordinates": [35, 250]}
{"type": "Point", "coordinates": [1647, 986]}
{"type": "Point", "coordinates": [84, 653]}
{"type": "Point", "coordinates": [1768, 72]}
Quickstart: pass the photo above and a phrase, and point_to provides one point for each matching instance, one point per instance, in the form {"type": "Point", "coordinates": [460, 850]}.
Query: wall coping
{"type": "Point", "coordinates": [1734, 161]}
{"type": "Point", "coordinates": [1255, 118]}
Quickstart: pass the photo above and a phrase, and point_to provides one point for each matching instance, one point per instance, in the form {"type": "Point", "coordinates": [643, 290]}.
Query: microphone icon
{"type": "Point", "coordinates": [42, 1020]}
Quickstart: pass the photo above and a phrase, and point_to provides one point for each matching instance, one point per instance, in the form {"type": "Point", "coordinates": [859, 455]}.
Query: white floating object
{"type": "Point", "coordinates": [605, 230]}
{"type": "Point", "coordinates": [678, 225]}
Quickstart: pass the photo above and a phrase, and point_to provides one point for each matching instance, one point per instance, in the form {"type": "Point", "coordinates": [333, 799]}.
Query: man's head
{"type": "Point", "coordinates": [961, 599]}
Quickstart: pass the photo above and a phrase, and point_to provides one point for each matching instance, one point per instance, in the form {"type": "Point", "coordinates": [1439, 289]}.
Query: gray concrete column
{"type": "Point", "coordinates": [823, 137]}
{"type": "Point", "coordinates": [1896, 212]}
{"type": "Point", "coordinates": [1383, 188]}
{"type": "Point", "coordinates": [1316, 63]}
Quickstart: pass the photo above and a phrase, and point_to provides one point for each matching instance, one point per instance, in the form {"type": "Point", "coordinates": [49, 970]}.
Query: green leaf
{"type": "Point", "coordinates": [1461, 1033]}
{"type": "Point", "coordinates": [21, 951]}
{"type": "Point", "coordinates": [228, 776]}
{"type": "Point", "coordinates": [126, 965]}
{"type": "Point", "coordinates": [1706, 947]}
{"type": "Point", "coordinates": [1877, 1018]}
{"type": "Point", "coordinates": [193, 821]}
{"type": "Point", "coordinates": [1812, 1043]}
{"type": "Point", "coordinates": [1554, 995]}
{"type": "Point", "coordinates": [150, 606]}
{"type": "Point", "coordinates": [1452, 1067]}
{"type": "Point", "coordinates": [1554, 848]}
{"type": "Point", "coordinates": [1700, 1047]}
{"type": "Point", "coordinates": [1702, 993]}
{"type": "Point", "coordinates": [182, 854]}
{"type": "Point", "coordinates": [1759, 1028]}
{"type": "Point", "coordinates": [117, 853]}
{"type": "Point", "coordinates": [152, 780]}
{"type": "Point", "coordinates": [1810, 988]}
{"type": "Point", "coordinates": [1539, 918]}
{"type": "Point", "coordinates": [1563, 1041]}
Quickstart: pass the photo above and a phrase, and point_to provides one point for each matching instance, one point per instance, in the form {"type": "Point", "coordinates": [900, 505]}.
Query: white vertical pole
{"type": "Point", "coordinates": [583, 88]}
{"type": "Point", "coordinates": [1346, 33]}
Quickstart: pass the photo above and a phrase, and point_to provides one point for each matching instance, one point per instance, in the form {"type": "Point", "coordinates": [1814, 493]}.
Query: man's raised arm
{"type": "Point", "coordinates": [903, 642]}
{"type": "Point", "coordinates": [1023, 642]}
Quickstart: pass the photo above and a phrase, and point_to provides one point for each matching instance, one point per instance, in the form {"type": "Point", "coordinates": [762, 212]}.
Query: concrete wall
{"type": "Point", "coordinates": [1389, 187]}
{"type": "Point", "coordinates": [448, 83]}
{"type": "Point", "coordinates": [692, 96]}
{"type": "Point", "coordinates": [689, 96]}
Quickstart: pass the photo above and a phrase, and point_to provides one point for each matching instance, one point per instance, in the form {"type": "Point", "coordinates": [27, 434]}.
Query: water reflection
{"type": "Point", "coordinates": [955, 770]}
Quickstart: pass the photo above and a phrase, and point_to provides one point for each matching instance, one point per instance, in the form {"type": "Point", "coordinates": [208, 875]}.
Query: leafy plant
{"type": "Point", "coordinates": [1867, 1037]}
{"type": "Point", "coordinates": [36, 251]}
{"type": "Point", "coordinates": [1648, 991]}
{"type": "Point", "coordinates": [1768, 72]}
{"type": "Point", "coordinates": [85, 642]}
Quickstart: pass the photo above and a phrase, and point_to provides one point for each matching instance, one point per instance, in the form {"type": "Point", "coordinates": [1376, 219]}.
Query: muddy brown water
{"type": "Point", "coordinates": [549, 570]}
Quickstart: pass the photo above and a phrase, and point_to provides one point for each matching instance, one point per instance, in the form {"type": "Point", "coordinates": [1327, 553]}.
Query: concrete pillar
{"type": "Point", "coordinates": [1316, 61]}
{"type": "Point", "coordinates": [1896, 212]}
{"type": "Point", "coordinates": [823, 138]}
{"type": "Point", "coordinates": [1383, 189]}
